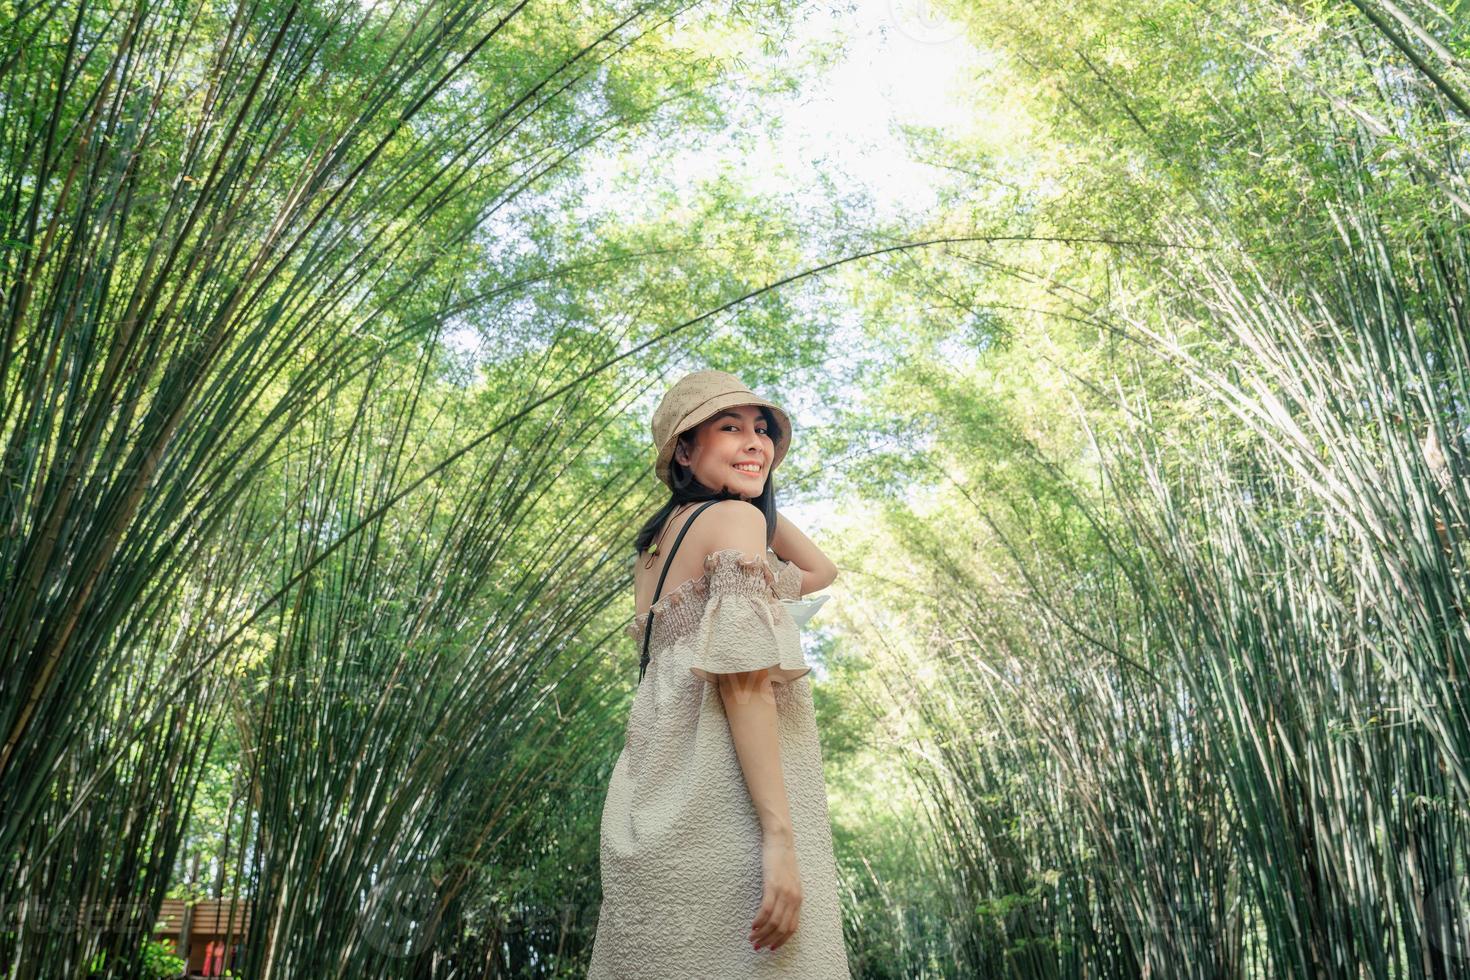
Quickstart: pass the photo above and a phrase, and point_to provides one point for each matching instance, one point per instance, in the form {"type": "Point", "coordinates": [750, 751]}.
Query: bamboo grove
{"type": "Point", "coordinates": [1148, 447]}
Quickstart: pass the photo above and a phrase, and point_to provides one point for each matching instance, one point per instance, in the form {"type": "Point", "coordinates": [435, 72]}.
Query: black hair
{"type": "Point", "coordinates": [687, 489]}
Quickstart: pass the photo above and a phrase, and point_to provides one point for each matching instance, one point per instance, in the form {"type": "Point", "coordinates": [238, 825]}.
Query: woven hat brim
{"type": "Point", "coordinates": [663, 464]}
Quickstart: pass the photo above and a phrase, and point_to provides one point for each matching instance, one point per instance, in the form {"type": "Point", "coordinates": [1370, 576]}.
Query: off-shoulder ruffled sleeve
{"type": "Point", "coordinates": [744, 625]}
{"type": "Point", "coordinates": [788, 579]}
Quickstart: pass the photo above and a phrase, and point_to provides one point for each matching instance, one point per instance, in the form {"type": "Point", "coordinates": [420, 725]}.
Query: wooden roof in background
{"type": "Point", "coordinates": [212, 917]}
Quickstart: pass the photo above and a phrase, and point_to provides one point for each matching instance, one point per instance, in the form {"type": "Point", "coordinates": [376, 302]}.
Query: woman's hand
{"type": "Point", "coordinates": [781, 883]}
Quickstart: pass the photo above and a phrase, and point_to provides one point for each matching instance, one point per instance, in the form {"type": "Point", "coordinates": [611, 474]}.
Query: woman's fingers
{"type": "Point", "coordinates": [782, 933]}
{"type": "Point", "coordinates": [776, 924]}
{"type": "Point", "coordinates": [764, 934]}
{"type": "Point", "coordinates": [766, 924]}
{"type": "Point", "coordinates": [789, 930]}
{"type": "Point", "coordinates": [765, 916]}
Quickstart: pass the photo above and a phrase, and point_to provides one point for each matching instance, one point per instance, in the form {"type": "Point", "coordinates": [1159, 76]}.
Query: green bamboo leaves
{"type": "Point", "coordinates": [234, 236]}
{"type": "Point", "coordinates": [1198, 630]}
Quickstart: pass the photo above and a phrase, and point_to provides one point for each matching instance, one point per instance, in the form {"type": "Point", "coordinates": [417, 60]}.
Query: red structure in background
{"type": "Point", "coordinates": [214, 959]}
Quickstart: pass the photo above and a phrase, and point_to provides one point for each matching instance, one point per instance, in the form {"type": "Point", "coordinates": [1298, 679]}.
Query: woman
{"type": "Point", "coordinates": [716, 848]}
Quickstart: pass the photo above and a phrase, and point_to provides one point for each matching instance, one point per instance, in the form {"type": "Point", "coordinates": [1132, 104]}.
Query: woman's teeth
{"type": "Point", "coordinates": [748, 469]}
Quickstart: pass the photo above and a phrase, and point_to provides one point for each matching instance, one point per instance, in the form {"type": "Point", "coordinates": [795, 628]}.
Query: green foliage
{"type": "Point", "coordinates": [159, 961]}
{"type": "Point", "coordinates": [1195, 511]}
{"type": "Point", "coordinates": [310, 373]}
{"type": "Point", "coordinates": [318, 481]}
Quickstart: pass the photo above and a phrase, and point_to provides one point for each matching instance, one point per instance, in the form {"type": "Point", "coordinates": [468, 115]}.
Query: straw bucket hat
{"type": "Point", "coordinates": [695, 398]}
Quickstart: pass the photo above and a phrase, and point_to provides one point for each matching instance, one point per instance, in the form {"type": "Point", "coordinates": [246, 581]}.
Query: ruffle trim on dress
{"type": "Point", "coordinates": [788, 580]}
{"type": "Point", "coordinates": [727, 570]}
{"type": "Point", "coordinates": [741, 632]}
{"type": "Point", "coordinates": [755, 565]}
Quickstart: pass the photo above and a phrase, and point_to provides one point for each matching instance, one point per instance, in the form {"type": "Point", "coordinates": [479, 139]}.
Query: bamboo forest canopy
{"type": "Point", "coordinates": [1125, 345]}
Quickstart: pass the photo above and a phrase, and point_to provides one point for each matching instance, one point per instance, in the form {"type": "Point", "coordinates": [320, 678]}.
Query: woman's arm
{"type": "Point", "coordinates": [750, 706]}
{"type": "Point", "coordinates": [789, 544]}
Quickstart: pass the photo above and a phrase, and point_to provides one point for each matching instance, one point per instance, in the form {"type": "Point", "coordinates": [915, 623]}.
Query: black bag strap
{"type": "Point", "coordinates": [658, 589]}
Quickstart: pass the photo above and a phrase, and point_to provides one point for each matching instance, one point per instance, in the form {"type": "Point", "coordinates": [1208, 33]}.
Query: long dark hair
{"type": "Point", "coordinates": [688, 489]}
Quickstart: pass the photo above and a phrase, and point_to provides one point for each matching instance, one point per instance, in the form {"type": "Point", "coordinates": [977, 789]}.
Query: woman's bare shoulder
{"type": "Point", "coordinates": [732, 524]}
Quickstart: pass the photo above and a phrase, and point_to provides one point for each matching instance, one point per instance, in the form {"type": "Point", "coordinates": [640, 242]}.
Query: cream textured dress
{"type": "Point", "coordinates": [681, 852]}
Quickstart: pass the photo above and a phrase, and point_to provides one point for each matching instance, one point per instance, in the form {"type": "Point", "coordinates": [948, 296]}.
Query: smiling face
{"type": "Point", "coordinates": [731, 451]}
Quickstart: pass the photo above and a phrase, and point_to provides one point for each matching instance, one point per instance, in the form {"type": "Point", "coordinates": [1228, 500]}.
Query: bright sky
{"type": "Point", "coordinates": [901, 64]}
